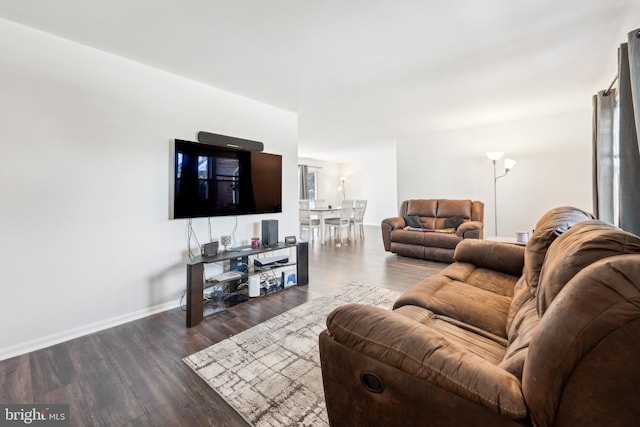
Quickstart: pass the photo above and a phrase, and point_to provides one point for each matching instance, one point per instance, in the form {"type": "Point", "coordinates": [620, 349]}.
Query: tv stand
{"type": "Point", "coordinates": [195, 273]}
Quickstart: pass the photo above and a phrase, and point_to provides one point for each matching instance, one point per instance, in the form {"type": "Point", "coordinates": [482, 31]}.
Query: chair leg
{"type": "Point", "coordinates": [342, 233]}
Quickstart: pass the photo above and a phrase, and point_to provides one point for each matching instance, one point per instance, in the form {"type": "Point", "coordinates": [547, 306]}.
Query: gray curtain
{"type": "Point", "coordinates": [628, 79]}
{"type": "Point", "coordinates": [304, 182]}
{"type": "Point", "coordinates": [634, 70]}
{"type": "Point", "coordinates": [604, 174]}
{"type": "Point", "coordinates": [616, 147]}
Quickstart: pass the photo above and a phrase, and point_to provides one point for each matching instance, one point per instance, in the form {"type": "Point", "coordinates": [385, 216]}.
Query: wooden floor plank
{"type": "Point", "coordinates": [15, 377]}
{"type": "Point", "coordinates": [133, 374]}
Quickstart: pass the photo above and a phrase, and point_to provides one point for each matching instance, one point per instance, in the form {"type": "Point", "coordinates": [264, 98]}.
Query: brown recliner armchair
{"type": "Point", "coordinates": [423, 227]}
{"type": "Point", "coordinates": [476, 345]}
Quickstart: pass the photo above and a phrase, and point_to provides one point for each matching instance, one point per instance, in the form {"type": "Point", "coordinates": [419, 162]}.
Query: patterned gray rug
{"type": "Point", "coordinates": [270, 374]}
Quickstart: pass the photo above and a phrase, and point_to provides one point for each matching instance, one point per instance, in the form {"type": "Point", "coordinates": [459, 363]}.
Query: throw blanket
{"type": "Point", "coordinates": [432, 230]}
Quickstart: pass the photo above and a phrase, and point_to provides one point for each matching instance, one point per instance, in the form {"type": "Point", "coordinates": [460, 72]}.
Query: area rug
{"type": "Point", "coordinates": [270, 374]}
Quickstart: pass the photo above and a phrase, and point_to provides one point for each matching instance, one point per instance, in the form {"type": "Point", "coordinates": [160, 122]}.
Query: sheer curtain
{"type": "Point", "coordinates": [303, 170]}
{"type": "Point", "coordinates": [616, 147]}
{"type": "Point", "coordinates": [604, 171]}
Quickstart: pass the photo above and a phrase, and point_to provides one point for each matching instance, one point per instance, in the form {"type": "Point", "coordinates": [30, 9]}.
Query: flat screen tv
{"type": "Point", "coordinates": [209, 181]}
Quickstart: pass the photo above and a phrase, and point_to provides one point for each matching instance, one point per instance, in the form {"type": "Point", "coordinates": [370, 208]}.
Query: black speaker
{"type": "Point", "coordinates": [229, 141]}
{"type": "Point", "coordinates": [302, 261]}
{"type": "Point", "coordinates": [269, 232]}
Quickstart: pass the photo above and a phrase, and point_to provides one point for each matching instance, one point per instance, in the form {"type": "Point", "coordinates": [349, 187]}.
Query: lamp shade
{"type": "Point", "coordinates": [509, 164]}
{"type": "Point", "coordinates": [495, 155]}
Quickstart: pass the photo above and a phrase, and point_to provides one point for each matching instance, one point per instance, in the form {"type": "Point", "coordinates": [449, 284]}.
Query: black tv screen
{"type": "Point", "coordinates": [216, 181]}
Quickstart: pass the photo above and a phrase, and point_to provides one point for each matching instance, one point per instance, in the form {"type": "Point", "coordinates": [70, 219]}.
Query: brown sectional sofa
{"type": "Point", "coordinates": [433, 215]}
{"type": "Point", "coordinates": [543, 335]}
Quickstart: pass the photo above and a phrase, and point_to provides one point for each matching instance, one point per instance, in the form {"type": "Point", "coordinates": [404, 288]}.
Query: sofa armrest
{"type": "Point", "coordinates": [387, 226]}
{"type": "Point", "coordinates": [503, 257]}
{"type": "Point", "coordinates": [470, 230]}
{"type": "Point", "coordinates": [427, 354]}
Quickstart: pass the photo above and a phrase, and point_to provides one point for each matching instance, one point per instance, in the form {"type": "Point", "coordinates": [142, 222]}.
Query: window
{"type": "Point", "coordinates": [312, 185]}
{"type": "Point", "coordinates": [308, 182]}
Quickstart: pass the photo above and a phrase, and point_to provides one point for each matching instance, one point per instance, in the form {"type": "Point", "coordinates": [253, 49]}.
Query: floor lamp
{"type": "Point", "coordinates": [342, 187]}
{"type": "Point", "coordinates": [508, 165]}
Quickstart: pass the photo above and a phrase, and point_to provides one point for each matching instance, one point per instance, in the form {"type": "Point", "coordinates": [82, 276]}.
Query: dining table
{"type": "Point", "coordinates": [323, 214]}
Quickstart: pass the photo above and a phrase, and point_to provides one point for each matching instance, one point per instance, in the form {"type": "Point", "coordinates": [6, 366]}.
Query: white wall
{"type": "Point", "coordinates": [84, 136]}
{"type": "Point", "coordinates": [372, 175]}
{"type": "Point", "coordinates": [553, 155]}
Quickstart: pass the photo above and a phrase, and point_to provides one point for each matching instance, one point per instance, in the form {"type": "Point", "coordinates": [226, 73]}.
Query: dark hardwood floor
{"type": "Point", "coordinates": [133, 374]}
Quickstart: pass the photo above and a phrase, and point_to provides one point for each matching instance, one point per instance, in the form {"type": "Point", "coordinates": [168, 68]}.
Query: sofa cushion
{"type": "Point", "coordinates": [489, 347]}
{"type": "Point", "coordinates": [412, 221]}
{"type": "Point", "coordinates": [460, 301]}
{"type": "Point", "coordinates": [505, 258]}
{"type": "Point", "coordinates": [426, 238]}
{"type": "Point", "coordinates": [454, 221]}
{"type": "Point", "coordinates": [448, 208]}
{"type": "Point", "coordinates": [483, 278]}
{"type": "Point", "coordinates": [423, 207]}
{"type": "Point", "coordinates": [582, 245]}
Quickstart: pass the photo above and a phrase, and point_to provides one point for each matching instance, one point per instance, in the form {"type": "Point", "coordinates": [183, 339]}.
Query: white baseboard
{"type": "Point", "coordinates": [70, 334]}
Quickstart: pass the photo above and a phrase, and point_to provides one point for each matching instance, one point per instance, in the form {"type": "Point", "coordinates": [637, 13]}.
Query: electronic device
{"type": "Point", "coordinates": [254, 286]}
{"type": "Point", "coordinates": [225, 277]}
{"type": "Point", "coordinates": [288, 278]}
{"type": "Point", "coordinates": [239, 264]}
{"type": "Point", "coordinates": [271, 260]}
{"type": "Point", "coordinates": [229, 141]}
{"type": "Point", "coordinates": [269, 232]}
{"type": "Point", "coordinates": [290, 240]}
{"type": "Point", "coordinates": [210, 249]}
{"type": "Point", "coordinates": [207, 180]}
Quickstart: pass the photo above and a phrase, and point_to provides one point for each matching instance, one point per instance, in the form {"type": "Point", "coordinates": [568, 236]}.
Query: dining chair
{"type": "Point", "coordinates": [305, 220]}
{"type": "Point", "coordinates": [343, 221]}
{"type": "Point", "coordinates": [357, 220]}
{"type": "Point", "coordinates": [319, 204]}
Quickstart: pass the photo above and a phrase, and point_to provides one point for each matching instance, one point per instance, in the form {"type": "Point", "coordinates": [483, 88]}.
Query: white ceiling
{"type": "Point", "coordinates": [364, 71]}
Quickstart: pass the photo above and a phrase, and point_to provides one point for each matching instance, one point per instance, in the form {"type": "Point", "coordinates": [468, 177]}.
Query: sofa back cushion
{"type": "Point", "coordinates": [583, 244]}
{"type": "Point", "coordinates": [582, 366]}
{"type": "Point", "coordinates": [586, 243]}
{"type": "Point", "coordinates": [522, 318]}
{"type": "Point", "coordinates": [419, 207]}
{"type": "Point", "coordinates": [522, 321]}
{"type": "Point", "coordinates": [551, 225]}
